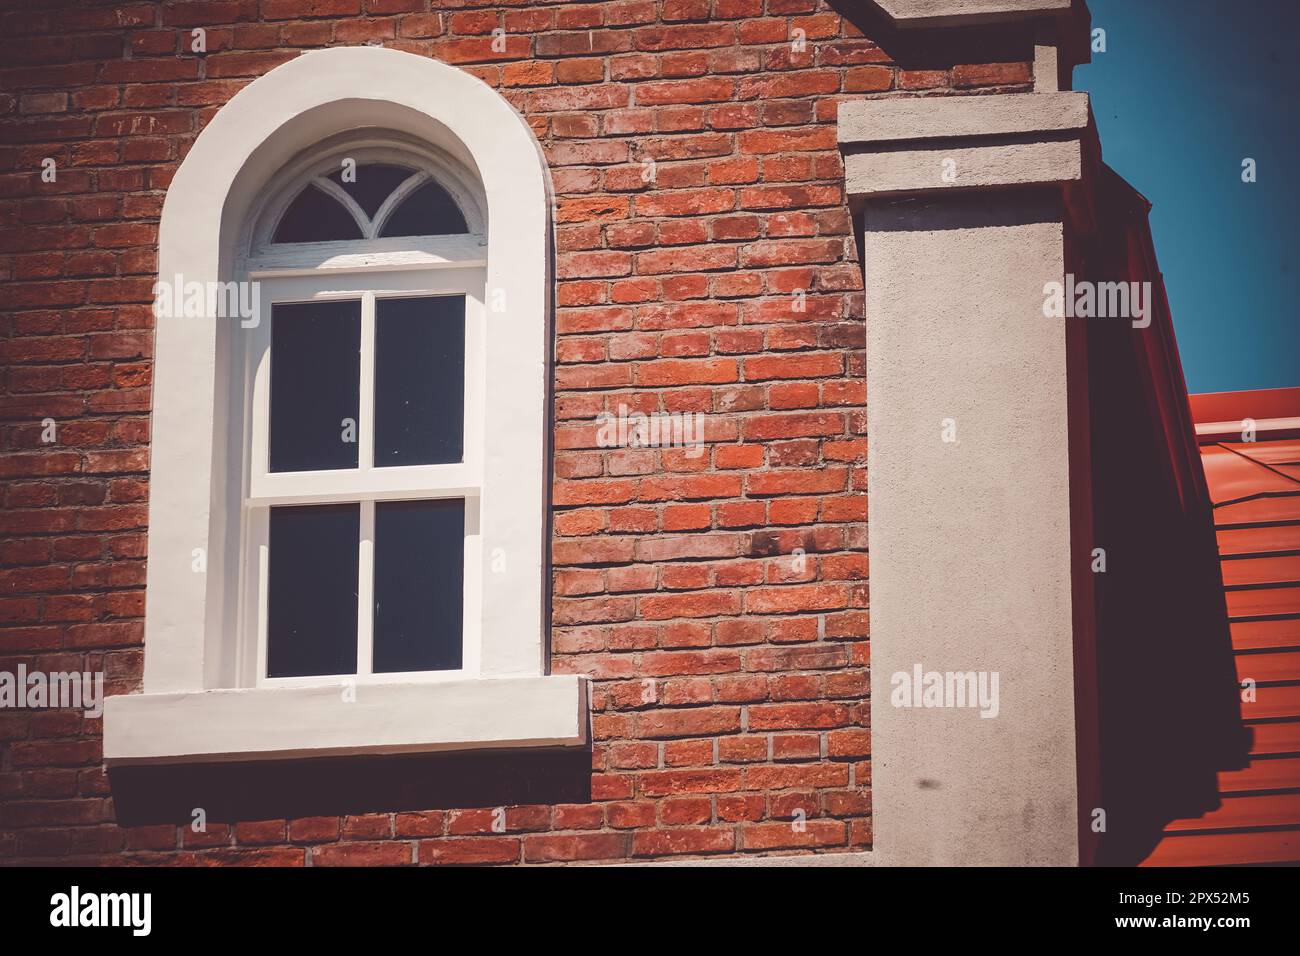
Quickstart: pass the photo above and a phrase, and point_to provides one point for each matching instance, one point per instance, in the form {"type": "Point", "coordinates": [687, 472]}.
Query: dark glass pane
{"type": "Point", "coordinates": [419, 381]}
{"type": "Point", "coordinates": [419, 585]}
{"type": "Point", "coordinates": [315, 385]}
{"type": "Point", "coordinates": [374, 183]}
{"type": "Point", "coordinates": [429, 211]}
{"type": "Point", "coordinates": [311, 619]}
{"type": "Point", "coordinates": [315, 216]}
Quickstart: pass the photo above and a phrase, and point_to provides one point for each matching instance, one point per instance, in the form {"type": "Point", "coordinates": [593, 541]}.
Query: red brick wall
{"type": "Point", "coordinates": [731, 680]}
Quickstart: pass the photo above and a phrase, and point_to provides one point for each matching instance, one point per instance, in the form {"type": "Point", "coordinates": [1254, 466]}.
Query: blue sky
{"type": "Point", "coordinates": [1184, 92]}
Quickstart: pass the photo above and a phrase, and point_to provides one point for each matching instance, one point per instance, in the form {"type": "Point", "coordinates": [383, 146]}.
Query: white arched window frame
{"type": "Point", "coordinates": [368, 271]}
{"type": "Point", "coordinates": [204, 697]}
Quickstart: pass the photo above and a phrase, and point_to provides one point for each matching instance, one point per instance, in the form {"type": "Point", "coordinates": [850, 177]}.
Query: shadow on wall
{"type": "Point", "coordinates": [230, 793]}
{"type": "Point", "coordinates": [938, 48]}
{"type": "Point", "coordinates": [1169, 710]}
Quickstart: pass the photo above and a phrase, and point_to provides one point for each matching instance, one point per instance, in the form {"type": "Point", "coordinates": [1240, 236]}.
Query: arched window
{"type": "Point", "coordinates": [348, 485]}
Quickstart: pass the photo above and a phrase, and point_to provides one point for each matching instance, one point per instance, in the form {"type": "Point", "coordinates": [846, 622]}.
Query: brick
{"type": "Point", "coordinates": [688, 753]}
{"type": "Point", "coordinates": [991, 74]}
{"type": "Point", "coordinates": [362, 854]}
{"type": "Point", "coordinates": [476, 851]}
{"type": "Point", "coordinates": [797, 715]}
{"type": "Point", "coordinates": [704, 90]}
{"type": "Point", "coordinates": [669, 782]}
{"type": "Point", "coordinates": [849, 743]}
{"type": "Point", "coordinates": [772, 836]}
{"type": "Point", "coordinates": [689, 723]}
{"type": "Point", "coordinates": [578, 817]}
{"type": "Point", "coordinates": [626, 816]}
{"type": "Point", "coordinates": [700, 840]}
{"type": "Point", "coordinates": [868, 79]}
{"type": "Point", "coordinates": [735, 808]}
{"type": "Point", "coordinates": [564, 847]}
{"type": "Point", "coordinates": [314, 829]}
{"type": "Point", "coordinates": [256, 832]}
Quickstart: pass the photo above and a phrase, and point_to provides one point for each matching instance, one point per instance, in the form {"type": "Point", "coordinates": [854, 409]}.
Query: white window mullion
{"type": "Point", "coordinates": [366, 464]}
{"type": "Point", "coordinates": [366, 591]}
{"type": "Point", "coordinates": [260, 523]}
{"type": "Point", "coordinates": [258, 370]}
{"type": "Point", "coordinates": [366, 424]}
{"type": "Point", "coordinates": [471, 649]}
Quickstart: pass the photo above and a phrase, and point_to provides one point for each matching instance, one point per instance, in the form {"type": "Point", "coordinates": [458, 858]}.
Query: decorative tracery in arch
{"type": "Point", "coordinates": [370, 201]}
{"type": "Point", "coordinates": [365, 188]}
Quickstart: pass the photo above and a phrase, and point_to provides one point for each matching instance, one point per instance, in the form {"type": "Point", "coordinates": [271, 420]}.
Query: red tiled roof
{"type": "Point", "coordinates": [1255, 490]}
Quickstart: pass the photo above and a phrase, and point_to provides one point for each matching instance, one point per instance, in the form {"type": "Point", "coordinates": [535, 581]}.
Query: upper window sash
{"type": "Point", "coordinates": [365, 482]}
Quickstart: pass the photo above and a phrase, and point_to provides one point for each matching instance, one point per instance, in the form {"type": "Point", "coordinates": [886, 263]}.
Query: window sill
{"type": "Point", "coordinates": [279, 723]}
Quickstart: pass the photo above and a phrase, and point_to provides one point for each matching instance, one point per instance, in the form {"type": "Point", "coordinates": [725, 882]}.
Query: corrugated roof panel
{"type": "Point", "coordinates": [1271, 667]}
{"type": "Point", "coordinates": [1226, 849]}
{"type": "Point", "coordinates": [1234, 476]}
{"type": "Point", "coordinates": [1279, 739]}
{"type": "Point", "coordinates": [1272, 569]}
{"type": "Point", "coordinates": [1274, 632]}
{"type": "Point", "coordinates": [1263, 773]}
{"type": "Point", "coordinates": [1265, 810]}
{"type": "Point", "coordinates": [1255, 488]}
{"type": "Point", "coordinates": [1269, 452]}
{"type": "Point", "coordinates": [1258, 511]}
{"type": "Point", "coordinates": [1271, 703]}
{"type": "Point", "coordinates": [1262, 539]}
{"type": "Point", "coordinates": [1263, 602]}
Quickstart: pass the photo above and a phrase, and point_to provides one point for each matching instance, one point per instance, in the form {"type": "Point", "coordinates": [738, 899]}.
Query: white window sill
{"type": "Point", "coordinates": [276, 723]}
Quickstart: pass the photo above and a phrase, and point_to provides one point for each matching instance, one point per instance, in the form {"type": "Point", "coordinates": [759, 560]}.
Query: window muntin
{"type": "Point", "coordinates": [371, 184]}
{"type": "Point", "coordinates": [314, 216]}
{"type": "Point", "coordinates": [415, 339]}
{"type": "Point", "coordinates": [426, 210]}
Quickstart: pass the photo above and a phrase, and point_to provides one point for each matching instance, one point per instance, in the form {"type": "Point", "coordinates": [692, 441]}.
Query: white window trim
{"type": "Point", "coordinates": [193, 705]}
